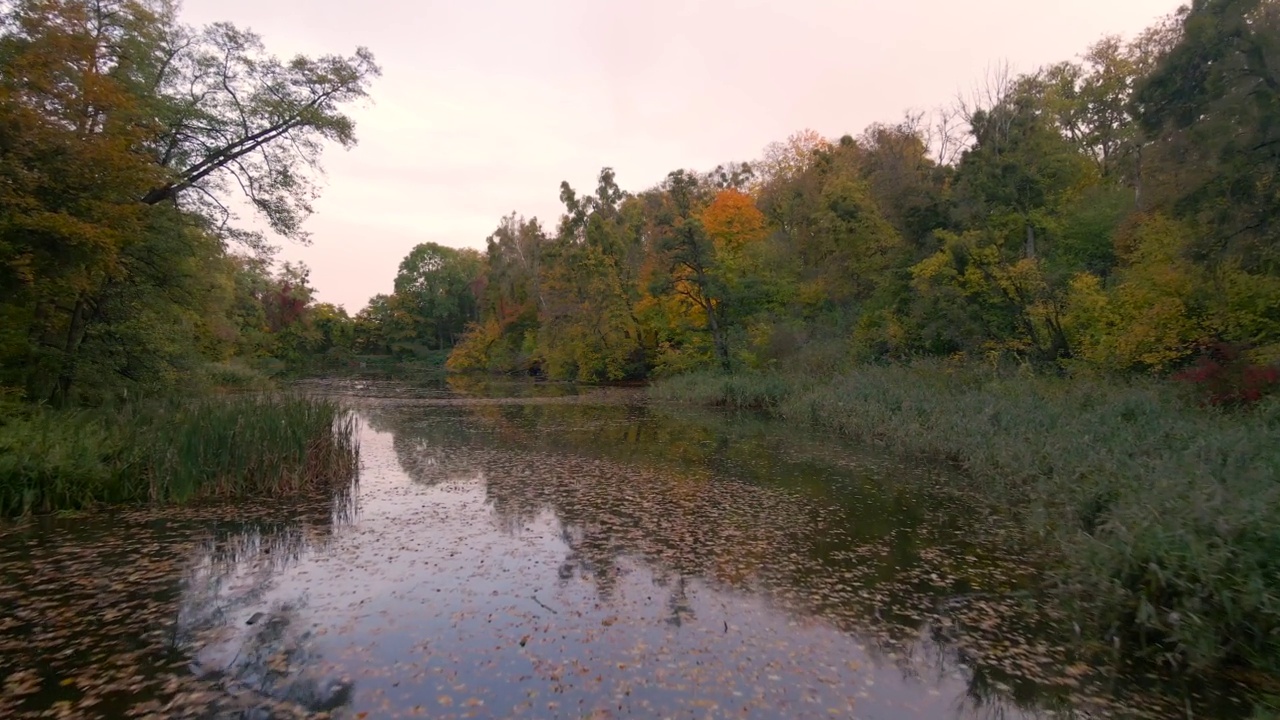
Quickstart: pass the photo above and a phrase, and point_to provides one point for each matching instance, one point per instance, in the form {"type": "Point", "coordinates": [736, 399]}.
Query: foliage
{"type": "Point", "coordinates": [1211, 108]}
{"type": "Point", "coordinates": [1092, 214]}
{"type": "Point", "coordinates": [1163, 515]}
{"type": "Point", "coordinates": [1108, 217]}
{"type": "Point", "coordinates": [122, 135]}
{"type": "Point", "coordinates": [434, 290]}
{"type": "Point", "coordinates": [1226, 377]}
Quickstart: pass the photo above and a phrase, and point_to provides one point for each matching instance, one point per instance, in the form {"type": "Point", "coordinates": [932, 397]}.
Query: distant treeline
{"type": "Point", "coordinates": [1113, 213]}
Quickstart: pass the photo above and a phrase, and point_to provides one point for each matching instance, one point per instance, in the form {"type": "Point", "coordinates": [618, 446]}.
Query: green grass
{"type": "Point", "coordinates": [232, 376]}
{"type": "Point", "coordinates": [172, 450]}
{"type": "Point", "coordinates": [1165, 517]}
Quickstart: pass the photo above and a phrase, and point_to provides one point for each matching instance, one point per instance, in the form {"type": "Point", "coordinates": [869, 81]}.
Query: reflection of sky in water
{"type": "Point", "coordinates": [432, 603]}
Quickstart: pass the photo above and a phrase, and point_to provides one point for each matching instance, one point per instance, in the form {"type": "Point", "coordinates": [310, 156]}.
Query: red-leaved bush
{"type": "Point", "coordinates": [1224, 376]}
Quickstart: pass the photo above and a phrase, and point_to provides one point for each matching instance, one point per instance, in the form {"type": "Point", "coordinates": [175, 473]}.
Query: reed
{"type": "Point", "coordinates": [173, 450]}
{"type": "Point", "coordinates": [1163, 515]}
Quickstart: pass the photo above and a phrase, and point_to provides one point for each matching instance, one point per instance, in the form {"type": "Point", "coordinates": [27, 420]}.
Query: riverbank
{"type": "Point", "coordinates": [1163, 514]}
{"type": "Point", "coordinates": [171, 450]}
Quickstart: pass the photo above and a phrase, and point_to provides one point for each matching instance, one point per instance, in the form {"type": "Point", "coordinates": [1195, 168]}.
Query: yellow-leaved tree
{"type": "Point", "coordinates": [1154, 314]}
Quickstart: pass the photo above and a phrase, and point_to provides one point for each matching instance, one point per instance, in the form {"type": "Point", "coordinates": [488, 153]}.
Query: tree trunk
{"type": "Point", "coordinates": [67, 371]}
{"type": "Point", "coordinates": [1060, 347]}
{"type": "Point", "coordinates": [1137, 182]}
{"type": "Point", "coordinates": [1031, 241]}
{"type": "Point", "coordinates": [717, 337]}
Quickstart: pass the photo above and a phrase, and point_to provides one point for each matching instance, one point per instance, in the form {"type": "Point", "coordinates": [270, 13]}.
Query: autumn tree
{"type": "Point", "coordinates": [122, 134]}
{"type": "Point", "coordinates": [588, 327]}
{"type": "Point", "coordinates": [688, 252]}
{"type": "Point", "coordinates": [1106, 212]}
{"type": "Point", "coordinates": [786, 160]}
{"type": "Point", "coordinates": [69, 128]}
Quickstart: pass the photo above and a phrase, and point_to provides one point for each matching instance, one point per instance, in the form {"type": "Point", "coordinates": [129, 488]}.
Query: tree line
{"type": "Point", "coordinates": [1112, 213]}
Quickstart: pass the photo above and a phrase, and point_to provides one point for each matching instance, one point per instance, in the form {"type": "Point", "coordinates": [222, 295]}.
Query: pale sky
{"type": "Point", "coordinates": [484, 106]}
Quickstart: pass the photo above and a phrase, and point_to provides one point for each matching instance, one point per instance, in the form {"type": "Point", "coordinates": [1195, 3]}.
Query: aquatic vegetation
{"type": "Point", "coordinates": [556, 558]}
{"type": "Point", "coordinates": [173, 450]}
{"type": "Point", "coordinates": [1162, 514]}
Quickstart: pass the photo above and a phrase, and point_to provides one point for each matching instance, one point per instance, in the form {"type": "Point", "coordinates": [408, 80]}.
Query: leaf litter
{"type": "Point", "coordinates": [551, 559]}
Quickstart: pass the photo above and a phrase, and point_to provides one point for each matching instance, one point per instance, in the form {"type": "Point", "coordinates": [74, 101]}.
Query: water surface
{"type": "Point", "coordinates": [554, 553]}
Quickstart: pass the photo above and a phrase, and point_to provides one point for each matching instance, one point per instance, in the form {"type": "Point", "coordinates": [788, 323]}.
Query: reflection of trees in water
{"type": "Point", "coordinates": [489, 386]}
{"type": "Point", "coordinates": [679, 610]}
{"type": "Point", "coordinates": [702, 499]}
{"type": "Point", "coordinates": [113, 601]}
{"type": "Point", "coordinates": [273, 664]}
{"type": "Point", "coordinates": [254, 553]}
{"type": "Point", "coordinates": [276, 663]}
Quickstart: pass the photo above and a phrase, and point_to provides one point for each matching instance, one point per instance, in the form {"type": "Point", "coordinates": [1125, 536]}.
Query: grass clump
{"type": "Point", "coordinates": [231, 376]}
{"type": "Point", "coordinates": [173, 450]}
{"type": "Point", "coordinates": [1165, 516]}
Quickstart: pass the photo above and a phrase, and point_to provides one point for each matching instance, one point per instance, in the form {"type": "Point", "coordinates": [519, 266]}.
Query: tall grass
{"type": "Point", "coordinates": [1165, 516]}
{"type": "Point", "coordinates": [172, 450]}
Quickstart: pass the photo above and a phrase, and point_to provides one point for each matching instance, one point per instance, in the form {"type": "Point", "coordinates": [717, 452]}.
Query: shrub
{"type": "Point", "coordinates": [1223, 375]}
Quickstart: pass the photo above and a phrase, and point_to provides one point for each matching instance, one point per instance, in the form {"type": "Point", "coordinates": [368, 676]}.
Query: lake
{"type": "Point", "coordinates": [542, 551]}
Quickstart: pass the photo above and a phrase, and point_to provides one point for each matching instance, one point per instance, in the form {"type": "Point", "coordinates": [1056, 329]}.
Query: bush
{"type": "Point", "coordinates": [1223, 375]}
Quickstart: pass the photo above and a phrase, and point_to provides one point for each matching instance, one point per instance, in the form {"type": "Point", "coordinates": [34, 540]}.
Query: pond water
{"type": "Point", "coordinates": [544, 552]}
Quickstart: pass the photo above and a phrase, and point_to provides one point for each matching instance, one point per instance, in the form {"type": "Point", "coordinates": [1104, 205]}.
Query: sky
{"type": "Point", "coordinates": [485, 106]}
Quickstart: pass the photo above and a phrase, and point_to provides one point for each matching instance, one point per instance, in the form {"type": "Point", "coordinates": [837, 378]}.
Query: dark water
{"type": "Point", "coordinates": [543, 552]}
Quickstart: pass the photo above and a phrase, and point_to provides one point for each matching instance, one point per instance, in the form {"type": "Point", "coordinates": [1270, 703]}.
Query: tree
{"type": "Point", "coordinates": [434, 287]}
{"type": "Point", "coordinates": [738, 176]}
{"type": "Point", "coordinates": [1150, 318]}
{"type": "Point", "coordinates": [1020, 170]}
{"type": "Point", "coordinates": [228, 114]}
{"type": "Point", "coordinates": [121, 131]}
{"type": "Point", "coordinates": [69, 127]}
{"type": "Point", "coordinates": [733, 221]}
{"type": "Point", "coordinates": [905, 183]}
{"type": "Point", "coordinates": [511, 299]}
{"type": "Point", "coordinates": [690, 258]}
{"type": "Point", "coordinates": [588, 287]}
{"type": "Point", "coordinates": [784, 161]}
{"type": "Point", "coordinates": [1213, 104]}
{"type": "Point", "coordinates": [1004, 224]}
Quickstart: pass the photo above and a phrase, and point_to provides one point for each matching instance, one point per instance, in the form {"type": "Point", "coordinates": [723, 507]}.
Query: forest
{"type": "Point", "coordinates": [1107, 215]}
{"type": "Point", "coordinates": [1104, 215]}
{"type": "Point", "coordinates": [1066, 282]}
{"type": "Point", "coordinates": [1045, 280]}
{"type": "Point", "coordinates": [122, 135]}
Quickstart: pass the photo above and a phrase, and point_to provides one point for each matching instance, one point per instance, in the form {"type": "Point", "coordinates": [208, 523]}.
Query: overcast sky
{"type": "Point", "coordinates": [484, 106]}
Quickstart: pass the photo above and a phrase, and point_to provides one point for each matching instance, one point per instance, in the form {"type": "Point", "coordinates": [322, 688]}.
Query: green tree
{"type": "Point", "coordinates": [588, 287]}
{"type": "Point", "coordinates": [435, 287]}
{"type": "Point", "coordinates": [1212, 106]}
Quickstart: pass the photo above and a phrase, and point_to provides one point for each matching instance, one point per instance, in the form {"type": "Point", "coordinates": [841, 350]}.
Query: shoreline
{"type": "Point", "coordinates": [1162, 515]}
